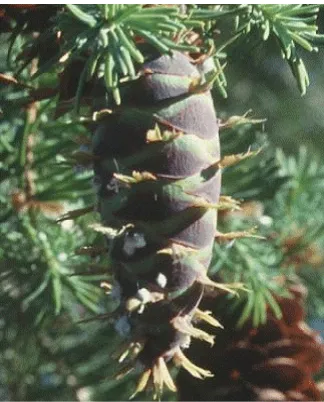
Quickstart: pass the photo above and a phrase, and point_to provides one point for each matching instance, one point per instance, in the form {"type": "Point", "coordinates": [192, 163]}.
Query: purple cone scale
{"type": "Point", "coordinates": [158, 191]}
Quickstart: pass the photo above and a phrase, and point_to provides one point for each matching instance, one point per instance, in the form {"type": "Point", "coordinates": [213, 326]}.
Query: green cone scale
{"type": "Point", "coordinates": [158, 188]}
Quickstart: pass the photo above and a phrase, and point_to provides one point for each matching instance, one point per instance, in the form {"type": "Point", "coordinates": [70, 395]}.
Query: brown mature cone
{"type": "Point", "coordinates": [274, 362]}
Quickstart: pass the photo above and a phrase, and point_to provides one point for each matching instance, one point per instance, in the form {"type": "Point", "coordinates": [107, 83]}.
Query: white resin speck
{"type": "Point", "coordinates": [144, 295]}
{"type": "Point", "coordinates": [161, 280]}
{"type": "Point", "coordinates": [266, 220]}
{"type": "Point", "coordinates": [186, 343]}
{"type": "Point", "coordinates": [133, 242]}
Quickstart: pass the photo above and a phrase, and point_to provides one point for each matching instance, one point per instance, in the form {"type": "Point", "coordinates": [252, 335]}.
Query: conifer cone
{"type": "Point", "coordinates": [274, 362]}
{"type": "Point", "coordinates": [158, 184]}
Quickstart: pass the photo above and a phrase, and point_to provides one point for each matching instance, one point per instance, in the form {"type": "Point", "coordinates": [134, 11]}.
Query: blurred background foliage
{"type": "Point", "coordinates": [44, 352]}
{"type": "Point", "coordinates": [260, 81]}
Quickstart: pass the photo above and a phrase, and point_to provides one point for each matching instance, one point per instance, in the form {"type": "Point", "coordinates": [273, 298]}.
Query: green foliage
{"type": "Point", "coordinates": [292, 225]}
{"type": "Point", "coordinates": [109, 37]}
{"type": "Point", "coordinates": [290, 25]}
{"type": "Point", "coordinates": [298, 217]}
{"type": "Point", "coordinates": [53, 184]}
{"type": "Point", "coordinates": [257, 177]}
{"type": "Point", "coordinates": [111, 33]}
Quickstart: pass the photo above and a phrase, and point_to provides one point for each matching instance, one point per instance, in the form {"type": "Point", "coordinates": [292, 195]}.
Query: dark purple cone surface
{"type": "Point", "coordinates": [156, 216]}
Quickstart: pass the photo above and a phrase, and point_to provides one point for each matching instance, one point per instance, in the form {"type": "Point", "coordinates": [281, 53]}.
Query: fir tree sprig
{"type": "Point", "coordinates": [292, 25]}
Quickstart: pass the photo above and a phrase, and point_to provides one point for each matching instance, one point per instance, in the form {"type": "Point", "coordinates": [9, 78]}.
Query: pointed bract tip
{"type": "Point", "coordinates": [181, 360]}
